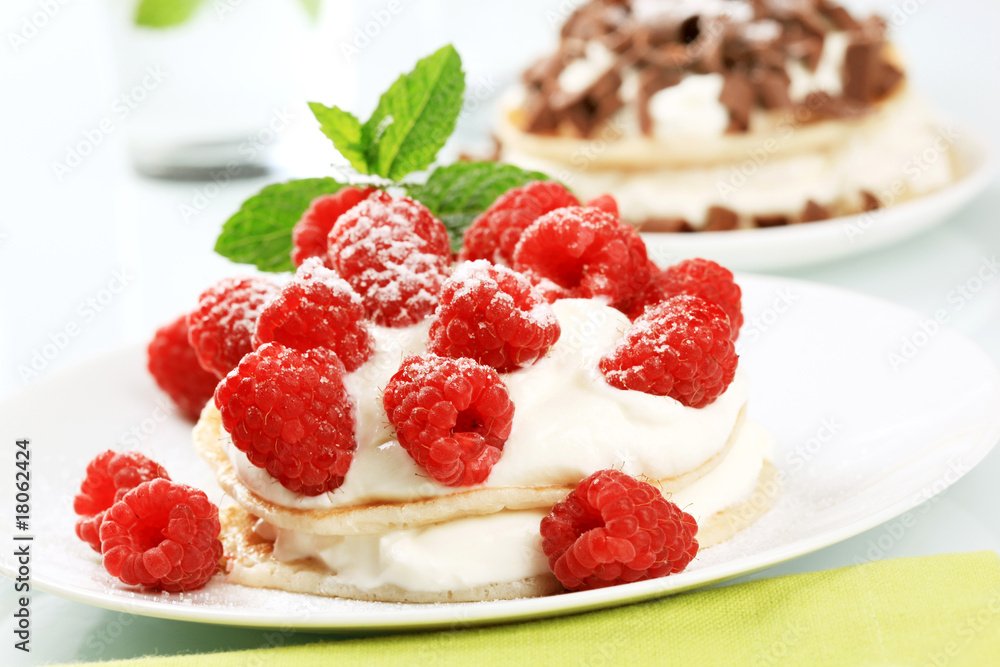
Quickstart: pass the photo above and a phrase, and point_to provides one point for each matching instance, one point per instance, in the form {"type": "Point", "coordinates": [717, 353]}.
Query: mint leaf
{"type": "Point", "coordinates": [415, 117]}
{"type": "Point", "coordinates": [456, 194]}
{"type": "Point", "coordinates": [165, 13]}
{"type": "Point", "coordinates": [260, 233]}
{"type": "Point", "coordinates": [344, 130]}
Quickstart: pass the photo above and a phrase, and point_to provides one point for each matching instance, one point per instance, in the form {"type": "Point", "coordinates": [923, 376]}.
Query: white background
{"type": "Point", "coordinates": [63, 240]}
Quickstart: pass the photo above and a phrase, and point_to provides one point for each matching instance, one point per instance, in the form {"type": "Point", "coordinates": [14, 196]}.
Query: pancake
{"type": "Point", "coordinates": [254, 564]}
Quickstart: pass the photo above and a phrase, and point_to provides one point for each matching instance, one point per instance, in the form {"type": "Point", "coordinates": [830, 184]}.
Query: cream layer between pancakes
{"type": "Point", "coordinates": [568, 423]}
{"type": "Point", "coordinates": [505, 546]}
{"type": "Point", "coordinates": [896, 153]}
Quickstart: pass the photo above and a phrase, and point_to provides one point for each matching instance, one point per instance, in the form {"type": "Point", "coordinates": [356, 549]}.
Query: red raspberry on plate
{"type": "Point", "coordinates": [614, 529]}
{"type": "Point", "coordinates": [706, 279]}
{"type": "Point", "coordinates": [110, 475]}
{"type": "Point", "coordinates": [453, 416]}
{"type": "Point", "coordinates": [649, 295]}
{"type": "Point", "coordinates": [679, 348]}
{"type": "Point", "coordinates": [290, 413]}
{"type": "Point", "coordinates": [317, 308]}
{"type": "Point", "coordinates": [494, 234]}
{"type": "Point", "coordinates": [173, 363]}
{"type": "Point", "coordinates": [395, 254]}
{"type": "Point", "coordinates": [584, 253]}
{"type": "Point", "coordinates": [221, 327]}
{"type": "Point", "coordinates": [493, 315]}
{"type": "Point", "coordinates": [163, 535]}
{"type": "Point", "coordinates": [311, 231]}
{"type": "Point", "coordinates": [606, 203]}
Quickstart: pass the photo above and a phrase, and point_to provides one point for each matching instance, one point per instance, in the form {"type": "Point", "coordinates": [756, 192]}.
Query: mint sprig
{"type": "Point", "coordinates": [344, 130]}
{"type": "Point", "coordinates": [457, 193]}
{"type": "Point", "coordinates": [411, 123]}
{"type": "Point", "coordinates": [260, 233]}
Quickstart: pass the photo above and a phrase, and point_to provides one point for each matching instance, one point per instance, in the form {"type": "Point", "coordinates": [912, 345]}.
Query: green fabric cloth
{"type": "Point", "coordinates": [933, 610]}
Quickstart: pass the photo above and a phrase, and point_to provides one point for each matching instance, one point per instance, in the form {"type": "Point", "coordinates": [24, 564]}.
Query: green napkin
{"type": "Point", "coordinates": [933, 610]}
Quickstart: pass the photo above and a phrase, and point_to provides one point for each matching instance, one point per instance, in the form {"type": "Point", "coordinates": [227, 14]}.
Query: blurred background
{"type": "Point", "coordinates": [126, 146]}
{"type": "Point", "coordinates": [96, 104]}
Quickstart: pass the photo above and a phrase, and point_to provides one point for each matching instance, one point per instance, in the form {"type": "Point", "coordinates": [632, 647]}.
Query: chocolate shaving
{"type": "Point", "coordinates": [666, 225]}
{"type": "Point", "coordinates": [861, 68]}
{"type": "Point", "coordinates": [721, 219]}
{"type": "Point", "coordinates": [869, 202]}
{"type": "Point", "coordinates": [814, 212]}
{"type": "Point", "coordinates": [770, 220]}
{"type": "Point", "coordinates": [539, 116]}
{"type": "Point", "coordinates": [772, 89]}
{"type": "Point", "coordinates": [811, 21]}
{"type": "Point", "coordinates": [738, 97]}
{"type": "Point", "coordinates": [839, 17]}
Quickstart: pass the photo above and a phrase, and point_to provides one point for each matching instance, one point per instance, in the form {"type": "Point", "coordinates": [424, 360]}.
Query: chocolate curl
{"type": "Point", "coordinates": [721, 219]}
{"type": "Point", "coordinates": [868, 75]}
{"type": "Point", "coordinates": [707, 51]}
{"type": "Point", "coordinates": [592, 106]}
{"type": "Point", "coordinates": [737, 96]}
{"type": "Point", "coordinates": [539, 116]}
{"type": "Point", "coordinates": [671, 225]}
{"type": "Point", "coordinates": [811, 21]}
{"type": "Point", "coordinates": [869, 202]}
{"type": "Point", "coordinates": [772, 89]}
{"type": "Point", "coordinates": [764, 221]}
{"type": "Point", "coordinates": [814, 212]}
{"type": "Point", "coordinates": [799, 44]}
{"type": "Point", "coordinates": [838, 16]}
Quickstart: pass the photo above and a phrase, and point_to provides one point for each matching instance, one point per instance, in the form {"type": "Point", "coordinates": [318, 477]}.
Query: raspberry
{"type": "Point", "coordinates": [706, 279]}
{"type": "Point", "coordinates": [614, 529]}
{"type": "Point", "coordinates": [173, 363]}
{"type": "Point", "coordinates": [584, 252]}
{"type": "Point", "coordinates": [650, 294]}
{"type": "Point", "coordinates": [606, 203]}
{"type": "Point", "coordinates": [453, 416]}
{"type": "Point", "coordinates": [289, 412]}
{"type": "Point", "coordinates": [163, 535]}
{"type": "Point", "coordinates": [495, 233]}
{"type": "Point", "coordinates": [395, 254]}
{"type": "Point", "coordinates": [679, 348]}
{"type": "Point", "coordinates": [493, 315]}
{"type": "Point", "coordinates": [221, 328]}
{"type": "Point", "coordinates": [311, 231]}
{"type": "Point", "coordinates": [110, 475]}
{"type": "Point", "coordinates": [317, 309]}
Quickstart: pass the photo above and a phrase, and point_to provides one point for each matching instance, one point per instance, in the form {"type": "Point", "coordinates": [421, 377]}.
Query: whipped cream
{"type": "Point", "coordinates": [498, 548]}
{"type": "Point", "coordinates": [568, 422]}
{"type": "Point", "coordinates": [828, 76]}
{"type": "Point", "coordinates": [690, 108]}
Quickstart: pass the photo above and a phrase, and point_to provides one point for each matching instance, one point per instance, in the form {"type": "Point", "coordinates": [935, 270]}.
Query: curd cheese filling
{"type": "Point", "coordinates": [497, 548]}
{"type": "Point", "coordinates": [568, 422]}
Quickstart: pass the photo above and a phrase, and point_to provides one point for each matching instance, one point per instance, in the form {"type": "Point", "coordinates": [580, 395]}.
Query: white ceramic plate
{"type": "Point", "coordinates": [802, 245]}
{"type": "Point", "coordinates": [861, 437]}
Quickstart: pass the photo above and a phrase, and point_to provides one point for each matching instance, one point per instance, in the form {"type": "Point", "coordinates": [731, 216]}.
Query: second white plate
{"type": "Point", "coordinates": [803, 245]}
